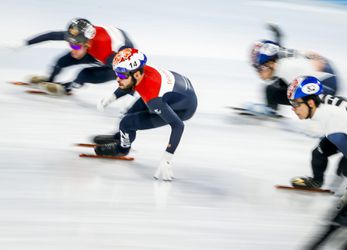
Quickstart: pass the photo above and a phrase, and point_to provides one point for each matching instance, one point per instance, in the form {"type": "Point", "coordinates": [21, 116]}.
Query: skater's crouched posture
{"type": "Point", "coordinates": [91, 45]}
{"type": "Point", "coordinates": [330, 112]}
{"type": "Point", "coordinates": [167, 98]}
{"type": "Point", "coordinates": [278, 66]}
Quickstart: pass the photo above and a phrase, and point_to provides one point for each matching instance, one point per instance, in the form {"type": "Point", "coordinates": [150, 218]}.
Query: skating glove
{"type": "Point", "coordinates": [164, 170]}
{"type": "Point", "coordinates": [104, 102]}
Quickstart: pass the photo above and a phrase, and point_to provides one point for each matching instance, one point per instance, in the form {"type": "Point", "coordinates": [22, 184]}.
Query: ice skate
{"type": "Point", "coordinates": [54, 88]}
{"type": "Point", "coordinates": [306, 182]}
{"type": "Point", "coordinates": [105, 139]}
{"type": "Point", "coordinates": [38, 79]}
{"type": "Point", "coordinates": [111, 149]}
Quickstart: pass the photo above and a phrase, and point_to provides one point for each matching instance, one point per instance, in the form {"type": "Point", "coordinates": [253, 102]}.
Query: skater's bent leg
{"type": "Point", "coordinates": [142, 121]}
{"type": "Point", "coordinates": [95, 75]}
{"type": "Point", "coordinates": [139, 118]}
{"type": "Point", "coordinates": [185, 108]}
{"type": "Point", "coordinates": [320, 156]}
{"type": "Point", "coordinates": [319, 164]}
{"type": "Point", "coordinates": [66, 61]}
{"type": "Point", "coordinates": [138, 106]}
{"type": "Point", "coordinates": [138, 121]}
{"type": "Point", "coordinates": [276, 93]}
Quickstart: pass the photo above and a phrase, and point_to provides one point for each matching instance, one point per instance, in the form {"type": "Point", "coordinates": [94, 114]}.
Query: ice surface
{"type": "Point", "coordinates": [225, 167]}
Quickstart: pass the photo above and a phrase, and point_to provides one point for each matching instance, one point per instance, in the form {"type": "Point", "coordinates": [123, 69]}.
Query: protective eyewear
{"type": "Point", "coordinates": [75, 46]}
{"type": "Point", "coordinates": [122, 76]}
{"type": "Point", "coordinates": [295, 104]}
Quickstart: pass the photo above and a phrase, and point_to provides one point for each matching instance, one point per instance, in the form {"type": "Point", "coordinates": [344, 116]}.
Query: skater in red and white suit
{"type": "Point", "coordinates": [167, 98]}
{"type": "Point", "coordinates": [90, 44]}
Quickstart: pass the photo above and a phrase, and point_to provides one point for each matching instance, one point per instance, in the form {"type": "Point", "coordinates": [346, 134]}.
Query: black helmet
{"type": "Point", "coordinates": [80, 30]}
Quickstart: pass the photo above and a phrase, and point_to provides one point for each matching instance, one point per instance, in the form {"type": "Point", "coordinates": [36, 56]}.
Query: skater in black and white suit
{"type": "Point", "coordinates": [278, 66]}
{"type": "Point", "coordinates": [330, 112]}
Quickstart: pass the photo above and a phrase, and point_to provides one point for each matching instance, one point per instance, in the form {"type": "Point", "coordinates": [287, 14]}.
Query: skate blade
{"type": "Point", "coordinates": [35, 91]}
{"type": "Point", "coordinates": [317, 190]}
{"type": "Point", "coordinates": [86, 145]}
{"type": "Point", "coordinates": [124, 158]}
{"type": "Point", "coordinates": [19, 83]}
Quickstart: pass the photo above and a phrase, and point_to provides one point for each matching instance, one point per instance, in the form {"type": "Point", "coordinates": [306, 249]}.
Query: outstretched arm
{"type": "Point", "coordinates": [50, 36]}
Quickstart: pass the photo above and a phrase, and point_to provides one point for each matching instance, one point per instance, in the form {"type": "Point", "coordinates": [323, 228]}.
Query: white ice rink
{"type": "Point", "coordinates": [226, 166]}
